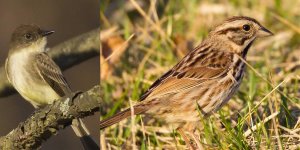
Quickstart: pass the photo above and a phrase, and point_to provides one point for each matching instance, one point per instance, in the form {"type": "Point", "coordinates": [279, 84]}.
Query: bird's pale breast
{"type": "Point", "coordinates": [26, 79]}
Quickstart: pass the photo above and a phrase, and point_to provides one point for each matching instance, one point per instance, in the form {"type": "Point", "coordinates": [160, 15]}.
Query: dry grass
{"type": "Point", "coordinates": [264, 114]}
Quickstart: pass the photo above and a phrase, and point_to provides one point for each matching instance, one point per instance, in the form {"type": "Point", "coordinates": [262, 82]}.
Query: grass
{"type": "Point", "coordinates": [262, 115]}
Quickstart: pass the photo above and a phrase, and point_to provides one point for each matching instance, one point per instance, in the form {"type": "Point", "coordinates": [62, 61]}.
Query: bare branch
{"type": "Point", "coordinates": [66, 54]}
{"type": "Point", "coordinates": [46, 122]}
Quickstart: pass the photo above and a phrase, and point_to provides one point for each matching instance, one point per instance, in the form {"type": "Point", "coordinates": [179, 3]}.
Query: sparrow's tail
{"type": "Point", "coordinates": [82, 132]}
{"type": "Point", "coordinates": [138, 109]}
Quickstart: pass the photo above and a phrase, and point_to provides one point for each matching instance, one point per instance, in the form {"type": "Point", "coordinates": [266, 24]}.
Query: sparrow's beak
{"type": "Point", "coordinates": [263, 32]}
{"type": "Point", "coordinates": [46, 33]}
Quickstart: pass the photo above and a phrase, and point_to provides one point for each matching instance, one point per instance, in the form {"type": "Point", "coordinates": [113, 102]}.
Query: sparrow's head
{"type": "Point", "coordinates": [29, 38]}
{"type": "Point", "coordinates": [241, 31]}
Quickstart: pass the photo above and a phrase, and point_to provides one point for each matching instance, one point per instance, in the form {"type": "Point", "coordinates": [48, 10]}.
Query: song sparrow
{"type": "Point", "coordinates": [204, 79]}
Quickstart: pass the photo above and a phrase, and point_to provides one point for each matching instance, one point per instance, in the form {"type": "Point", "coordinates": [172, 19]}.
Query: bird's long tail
{"type": "Point", "coordinates": [82, 132]}
{"type": "Point", "coordinates": [138, 109]}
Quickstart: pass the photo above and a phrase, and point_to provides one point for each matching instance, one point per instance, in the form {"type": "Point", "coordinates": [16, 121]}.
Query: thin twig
{"type": "Point", "coordinates": [254, 128]}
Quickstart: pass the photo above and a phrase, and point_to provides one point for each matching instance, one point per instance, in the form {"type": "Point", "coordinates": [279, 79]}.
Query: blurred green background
{"type": "Point", "coordinates": [165, 30]}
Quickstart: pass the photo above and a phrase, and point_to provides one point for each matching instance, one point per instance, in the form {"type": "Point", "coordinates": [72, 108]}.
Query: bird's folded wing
{"type": "Point", "coordinates": [52, 74]}
{"type": "Point", "coordinates": [185, 81]}
{"type": "Point", "coordinates": [187, 77]}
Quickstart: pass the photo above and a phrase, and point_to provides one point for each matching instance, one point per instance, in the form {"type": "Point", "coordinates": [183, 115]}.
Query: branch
{"type": "Point", "coordinates": [46, 122]}
{"type": "Point", "coordinates": [66, 55]}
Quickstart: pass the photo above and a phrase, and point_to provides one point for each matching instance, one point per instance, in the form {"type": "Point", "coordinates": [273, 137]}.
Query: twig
{"type": "Point", "coordinates": [148, 19]}
{"type": "Point", "coordinates": [133, 127]}
{"type": "Point", "coordinates": [287, 23]}
{"type": "Point", "coordinates": [47, 121]}
{"type": "Point", "coordinates": [249, 131]}
{"type": "Point", "coordinates": [118, 50]}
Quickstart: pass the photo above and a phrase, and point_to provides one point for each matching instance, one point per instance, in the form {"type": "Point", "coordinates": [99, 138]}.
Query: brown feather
{"type": "Point", "coordinates": [137, 109]}
{"type": "Point", "coordinates": [51, 73]}
{"type": "Point", "coordinates": [191, 75]}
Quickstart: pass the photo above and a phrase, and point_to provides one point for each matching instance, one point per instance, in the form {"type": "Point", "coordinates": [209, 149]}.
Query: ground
{"type": "Point", "coordinates": [145, 39]}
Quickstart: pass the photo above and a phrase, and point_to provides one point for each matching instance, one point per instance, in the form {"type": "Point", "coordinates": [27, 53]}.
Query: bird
{"type": "Point", "coordinates": [36, 77]}
{"type": "Point", "coordinates": [203, 80]}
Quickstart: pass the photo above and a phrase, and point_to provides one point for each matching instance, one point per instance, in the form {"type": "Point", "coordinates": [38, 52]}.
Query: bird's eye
{"type": "Point", "coordinates": [28, 36]}
{"type": "Point", "coordinates": [246, 27]}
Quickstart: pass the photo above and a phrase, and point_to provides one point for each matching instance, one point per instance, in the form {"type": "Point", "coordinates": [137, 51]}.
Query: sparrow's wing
{"type": "Point", "coordinates": [187, 75]}
{"type": "Point", "coordinates": [52, 74]}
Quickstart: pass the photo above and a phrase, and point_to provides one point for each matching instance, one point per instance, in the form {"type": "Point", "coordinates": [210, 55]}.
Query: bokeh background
{"type": "Point", "coordinates": [156, 34]}
{"type": "Point", "coordinates": [68, 18]}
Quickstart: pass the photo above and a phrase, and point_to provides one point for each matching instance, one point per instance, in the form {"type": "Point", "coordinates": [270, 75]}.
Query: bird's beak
{"type": "Point", "coordinates": [46, 33]}
{"type": "Point", "coordinates": [263, 32]}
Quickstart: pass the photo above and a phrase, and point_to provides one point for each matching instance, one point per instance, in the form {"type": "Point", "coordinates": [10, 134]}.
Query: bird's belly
{"type": "Point", "coordinates": [188, 106]}
{"type": "Point", "coordinates": [192, 105]}
{"type": "Point", "coordinates": [175, 116]}
{"type": "Point", "coordinates": [178, 108]}
{"type": "Point", "coordinates": [34, 90]}
{"type": "Point", "coordinates": [38, 95]}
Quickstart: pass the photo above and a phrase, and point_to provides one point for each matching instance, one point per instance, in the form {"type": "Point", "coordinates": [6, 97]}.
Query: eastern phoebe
{"type": "Point", "coordinates": [36, 76]}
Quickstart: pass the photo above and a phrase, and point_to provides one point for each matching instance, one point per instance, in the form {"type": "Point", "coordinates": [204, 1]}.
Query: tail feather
{"type": "Point", "coordinates": [82, 132]}
{"type": "Point", "coordinates": [120, 116]}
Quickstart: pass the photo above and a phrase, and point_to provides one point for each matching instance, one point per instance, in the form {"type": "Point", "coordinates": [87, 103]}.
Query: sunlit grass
{"type": "Point", "coordinates": [268, 87]}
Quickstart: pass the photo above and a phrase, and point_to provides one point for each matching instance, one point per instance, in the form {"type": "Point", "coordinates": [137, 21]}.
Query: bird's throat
{"type": "Point", "coordinates": [245, 51]}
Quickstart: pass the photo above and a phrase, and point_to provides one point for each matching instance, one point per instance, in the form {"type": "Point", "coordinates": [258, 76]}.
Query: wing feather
{"type": "Point", "coordinates": [180, 78]}
{"type": "Point", "coordinates": [52, 74]}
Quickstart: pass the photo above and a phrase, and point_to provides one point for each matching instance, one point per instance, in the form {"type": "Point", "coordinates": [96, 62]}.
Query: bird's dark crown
{"type": "Point", "coordinates": [25, 35]}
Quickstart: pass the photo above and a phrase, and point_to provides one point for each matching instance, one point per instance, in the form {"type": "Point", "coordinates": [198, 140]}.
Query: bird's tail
{"type": "Point", "coordinates": [82, 132]}
{"type": "Point", "coordinates": [121, 115]}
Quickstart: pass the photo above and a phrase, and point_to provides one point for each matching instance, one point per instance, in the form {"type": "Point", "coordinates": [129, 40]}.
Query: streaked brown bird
{"type": "Point", "coordinates": [205, 79]}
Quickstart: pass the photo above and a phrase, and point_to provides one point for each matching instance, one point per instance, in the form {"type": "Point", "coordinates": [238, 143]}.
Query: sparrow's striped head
{"type": "Point", "coordinates": [241, 30]}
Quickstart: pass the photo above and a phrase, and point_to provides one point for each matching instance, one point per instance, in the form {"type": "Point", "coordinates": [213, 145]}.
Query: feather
{"type": "Point", "coordinates": [51, 74]}
{"type": "Point", "coordinates": [190, 76]}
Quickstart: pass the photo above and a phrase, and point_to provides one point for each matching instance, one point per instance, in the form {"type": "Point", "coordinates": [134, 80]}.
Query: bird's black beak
{"type": "Point", "coordinates": [46, 33]}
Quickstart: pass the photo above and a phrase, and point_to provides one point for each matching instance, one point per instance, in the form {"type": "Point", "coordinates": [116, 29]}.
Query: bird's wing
{"type": "Point", "coordinates": [183, 77]}
{"type": "Point", "coordinates": [52, 74]}
{"type": "Point", "coordinates": [169, 83]}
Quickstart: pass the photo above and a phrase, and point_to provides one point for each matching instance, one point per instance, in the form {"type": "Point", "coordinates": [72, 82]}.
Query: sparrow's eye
{"type": "Point", "coordinates": [246, 27]}
{"type": "Point", "coordinates": [28, 36]}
